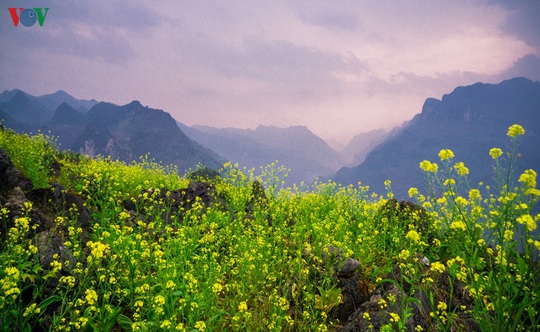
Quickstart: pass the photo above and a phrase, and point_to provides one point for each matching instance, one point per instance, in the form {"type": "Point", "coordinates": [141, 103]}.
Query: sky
{"type": "Point", "coordinates": [338, 67]}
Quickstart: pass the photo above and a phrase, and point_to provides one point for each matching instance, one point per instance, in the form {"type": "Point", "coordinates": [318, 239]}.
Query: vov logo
{"type": "Point", "coordinates": [29, 16]}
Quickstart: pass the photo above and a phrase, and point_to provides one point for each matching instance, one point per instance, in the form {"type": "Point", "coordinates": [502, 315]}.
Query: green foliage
{"type": "Point", "coordinates": [33, 155]}
{"type": "Point", "coordinates": [223, 267]}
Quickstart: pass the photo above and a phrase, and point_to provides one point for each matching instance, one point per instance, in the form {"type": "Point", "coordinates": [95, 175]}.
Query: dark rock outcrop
{"type": "Point", "coordinates": [174, 203]}
{"type": "Point", "coordinates": [10, 177]}
{"type": "Point", "coordinates": [390, 295]}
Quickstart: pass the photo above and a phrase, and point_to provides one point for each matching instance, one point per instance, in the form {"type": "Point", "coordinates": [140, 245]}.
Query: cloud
{"type": "Point", "coordinates": [330, 18]}
{"type": "Point", "coordinates": [101, 32]}
{"type": "Point", "coordinates": [527, 66]}
{"type": "Point", "coordinates": [132, 16]}
{"type": "Point", "coordinates": [339, 69]}
{"type": "Point", "coordinates": [523, 20]}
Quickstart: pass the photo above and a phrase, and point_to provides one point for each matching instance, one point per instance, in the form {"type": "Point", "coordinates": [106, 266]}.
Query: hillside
{"type": "Point", "coordinates": [469, 122]}
{"type": "Point", "coordinates": [99, 245]}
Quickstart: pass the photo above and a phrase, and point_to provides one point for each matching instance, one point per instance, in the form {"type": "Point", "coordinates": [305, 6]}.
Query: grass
{"type": "Point", "coordinates": [222, 267]}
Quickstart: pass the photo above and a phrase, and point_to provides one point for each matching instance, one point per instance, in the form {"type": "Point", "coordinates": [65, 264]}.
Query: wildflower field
{"type": "Point", "coordinates": [141, 248]}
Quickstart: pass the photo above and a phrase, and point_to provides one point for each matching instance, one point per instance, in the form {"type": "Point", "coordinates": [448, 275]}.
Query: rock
{"type": "Point", "coordinates": [454, 294]}
{"type": "Point", "coordinates": [175, 202]}
{"type": "Point", "coordinates": [16, 209]}
{"type": "Point", "coordinates": [58, 201]}
{"type": "Point", "coordinates": [409, 212]}
{"type": "Point", "coordinates": [50, 244]}
{"type": "Point", "coordinates": [348, 268]}
{"type": "Point", "coordinates": [204, 173]}
{"type": "Point", "coordinates": [10, 177]}
{"type": "Point", "coordinates": [352, 297]}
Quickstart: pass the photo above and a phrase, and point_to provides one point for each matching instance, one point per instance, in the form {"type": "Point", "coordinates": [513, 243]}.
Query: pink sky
{"type": "Point", "coordinates": [340, 68]}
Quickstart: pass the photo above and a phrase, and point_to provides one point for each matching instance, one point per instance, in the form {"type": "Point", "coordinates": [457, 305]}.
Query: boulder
{"type": "Point", "coordinates": [10, 177]}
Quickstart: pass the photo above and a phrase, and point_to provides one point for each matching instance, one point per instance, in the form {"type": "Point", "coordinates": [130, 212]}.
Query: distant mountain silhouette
{"type": "Point", "coordinates": [470, 121]}
{"type": "Point", "coordinates": [65, 114]}
{"type": "Point", "coordinates": [32, 109]}
{"type": "Point", "coordinates": [23, 108]}
{"type": "Point", "coordinates": [359, 146]}
{"type": "Point", "coordinates": [123, 132]}
{"type": "Point", "coordinates": [306, 154]}
{"type": "Point", "coordinates": [56, 99]}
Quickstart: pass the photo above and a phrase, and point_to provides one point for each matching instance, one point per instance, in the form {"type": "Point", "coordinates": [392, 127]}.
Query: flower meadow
{"type": "Point", "coordinates": [259, 257]}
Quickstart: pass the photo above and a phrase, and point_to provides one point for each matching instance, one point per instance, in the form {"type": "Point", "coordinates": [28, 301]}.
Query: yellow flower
{"type": "Point", "coordinates": [428, 166]}
{"type": "Point", "coordinates": [22, 224]}
{"type": "Point", "coordinates": [242, 306]}
{"type": "Point", "coordinates": [12, 272]}
{"type": "Point", "coordinates": [29, 310]}
{"type": "Point", "coordinates": [165, 324]}
{"type": "Point", "coordinates": [442, 306]}
{"type": "Point", "coordinates": [91, 296]}
{"type": "Point", "coordinates": [366, 316]}
{"type": "Point", "coordinates": [217, 288]}
{"type": "Point", "coordinates": [474, 194]}
{"type": "Point", "coordinates": [394, 317]}
{"type": "Point", "coordinates": [322, 327]}
{"type": "Point", "coordinates": [528, 178]}
{"type": "Point", "coordinates": [532, 191]}
{"type": "Point", "coordinates": [413, 235]}
{"type": "Point", "coordinates": [449, 182]}
{"type": "Point", "coordinates": [508, 235]}
{"type": "Point", "coordinates": [437, 267]}
{"type": "Point", "coordinates": [515, 130]}
{"type": "Point", "coordinates": [495, 153]}
{"type": "Point", "coordinates": [528, 221]}
{"type": "Point", "coordinates": [200, 325]}
{"type": "Point", "coordinates": [170, 284]}
{"type": "Point", "coordinates": [98, 249]}
{"type": "Point", "coordinates": [413, 192]}
{"type": "Point", "coordinates": [461, 201]}
{"type": "Point", "coordinates": [404, 254]}
{"type": "Point", "coordinates": [283, 303]}
{"type": "Point", "coordinates": [68, 280]}
{"type": "Point", "coordinates": [446, 154]}
{"type": "Point", "coordinates": [458, 225]}
{"type": "Point", "coordinates": [159, 300]}
{"type": "Point", "coordinates": [461, 169]}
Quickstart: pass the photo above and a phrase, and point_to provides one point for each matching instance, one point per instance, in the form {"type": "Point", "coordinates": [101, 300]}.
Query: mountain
{"type": "Point", "coordinates": [470, 121]}
{"type": "Point", "coordinates": [24, 108]}
{"type": "Point", "coordinates": [66, 124]}
{"type": "Point", "coordinates": [65, 114]}
{"type": "Point", "coordinates": [51, 101]}
{"type": "Point", "coordinates": [7, 121]}
{"type": "Point", "coordinates": [306, 154]}
{"type": "Point", "coordinates": [122, 132]}
{"type": "Point", "coordinates": [355, 152]}
{"type": "Point", "coordinates": [54, 100]}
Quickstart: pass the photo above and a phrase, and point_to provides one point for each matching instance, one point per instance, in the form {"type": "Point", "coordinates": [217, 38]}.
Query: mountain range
{"type": "Point", "coordinates": [470, 121]}
{"type": "Point", "coordinates": [98, 128]}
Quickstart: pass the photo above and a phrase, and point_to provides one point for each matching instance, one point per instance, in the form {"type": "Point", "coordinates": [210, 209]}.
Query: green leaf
{"type": "Point", "coordinates": [45, 303]}
{"type": "Point", "coordinates": [124, 322]}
